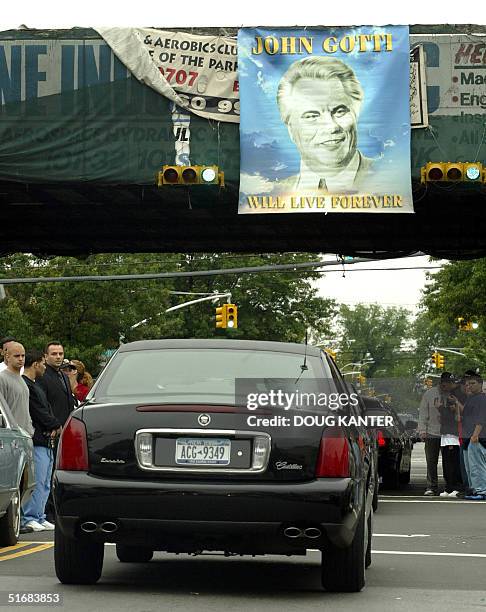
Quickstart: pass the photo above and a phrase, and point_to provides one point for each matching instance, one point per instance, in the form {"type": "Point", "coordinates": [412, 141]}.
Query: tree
{"type": "Point", "coordinates": [93, 317]}
{"type": "Point", "coordinates": [271, 305]}
{"type": "Point", "coordinates": [457, 290]}
{"type": "Point", "coordinates": [88, 317]}
{"type": "Point", "coordinates": [375, 334]}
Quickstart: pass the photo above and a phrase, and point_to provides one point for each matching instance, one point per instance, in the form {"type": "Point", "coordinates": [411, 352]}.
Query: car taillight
{"type": "Point", "coordinates": [72, 453]}
{"type": "Point", "coordinates": [380, 438]}
{"type": "Point", "coordinates": [333, 458]}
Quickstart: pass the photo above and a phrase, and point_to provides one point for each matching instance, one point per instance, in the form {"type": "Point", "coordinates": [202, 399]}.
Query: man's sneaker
{"type": "Point", "coordinates": [429, 492]}
{"type": "Point", "coordinates": [47, 526]}
{"type": "Point", "coordinates": [476, 497]}
{"type": "Point", "coordinates": [35, 526]}
{"type": "Point", "coordinates": [454, 494]}
{"type": "Point", "coordinates": [25, 529]}
{"type": "Point", "coordinates": [444, 494]}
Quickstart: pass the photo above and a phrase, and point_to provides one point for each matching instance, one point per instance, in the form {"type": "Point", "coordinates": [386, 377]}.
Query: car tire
{"type": "Point", "coordinates": [369, 535]}
{"type": "Point", "coordinates": [343, 569]}
{"type": "Point", "coordinates": [374, 503]}
{"type": "Point", "coordinates": [77, 561]}
{"type": "Point", "coordinates": [133, 554]}
{"type": "Point", "coordinates": [404, 478]}
{"type": "Point", "coordinates": [10, 522]}
{"type": "Point", "coordinates": [391, 480]}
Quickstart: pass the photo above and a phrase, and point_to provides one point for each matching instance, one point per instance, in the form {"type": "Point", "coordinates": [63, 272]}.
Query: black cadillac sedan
{"type": "Point", "coordinates": [182, 447]}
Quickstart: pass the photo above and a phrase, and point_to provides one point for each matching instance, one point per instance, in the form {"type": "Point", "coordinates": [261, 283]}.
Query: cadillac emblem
{"type": "Point", "coordinates": [204, 419]}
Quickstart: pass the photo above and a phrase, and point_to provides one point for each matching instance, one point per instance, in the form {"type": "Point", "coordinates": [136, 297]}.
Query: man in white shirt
{"type": "Point", "coordinates": [429, 427]}
{"type": "Point", "coordinates": [319, 100]}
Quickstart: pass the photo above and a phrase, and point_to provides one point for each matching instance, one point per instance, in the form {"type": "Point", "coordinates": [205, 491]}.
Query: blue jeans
{"type": "Point", "coordinates": [465, 478]}
{"type": "Point", "coordinates": [475, 462]}
{"type": "Point", "coordinates": [33, 509]}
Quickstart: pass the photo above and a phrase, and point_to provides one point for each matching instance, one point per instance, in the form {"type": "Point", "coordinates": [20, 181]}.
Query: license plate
{"type": "Point", "coordinates": [203, 451]}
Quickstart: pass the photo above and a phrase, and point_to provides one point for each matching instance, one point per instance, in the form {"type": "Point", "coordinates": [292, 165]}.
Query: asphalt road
{"type": "Point", "coordinates": [429, 554]}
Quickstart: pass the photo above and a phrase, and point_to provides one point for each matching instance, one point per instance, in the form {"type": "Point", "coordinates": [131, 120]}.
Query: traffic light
{"type": "Point", "coordinates": [438, 360]}
{"type": "Point", "coordinates": [190, 175]}
{"type": "Point", "coordinates": [361, 379]}
{"type": "Point", "coordinates": [466, 324]}
{"type": "Point", "coordinates": [227, 316]}
{"type": "Point", "coordinates": [221, 316]}
{"type": "Point", "coordinates": [429, 383]}
{"type": "Point", "coordinates": [231, 316]}
{"type": "Point", "coordinates": [468, 172]}
{"type": "Point", "coordinates": [332, 354]}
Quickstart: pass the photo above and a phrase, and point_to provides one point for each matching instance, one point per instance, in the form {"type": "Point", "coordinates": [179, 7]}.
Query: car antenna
{"type": "Point", "coordinates": [303, 367]}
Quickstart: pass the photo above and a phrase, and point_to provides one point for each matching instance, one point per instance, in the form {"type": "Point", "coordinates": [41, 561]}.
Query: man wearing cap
{"type": "Point", "coordinates": [449, 442]}
{"type": "Point", "coordinates": [474, 437]}
{"type": "Point", "coordinates": [429, 427]}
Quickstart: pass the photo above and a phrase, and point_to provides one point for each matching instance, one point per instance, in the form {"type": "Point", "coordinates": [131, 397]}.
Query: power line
{"type": "Point", "coordinates": [274, 268]}
{"type": "Point", "coordinates": [199, 258]}
{"type": "Point", "coordinates": [166, 275]}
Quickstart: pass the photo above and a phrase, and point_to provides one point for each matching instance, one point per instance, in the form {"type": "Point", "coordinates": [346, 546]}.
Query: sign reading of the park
{"type": "Point", "coordinates": [198, 73]}
{"type": "Point", "coordinates": [325, 120]}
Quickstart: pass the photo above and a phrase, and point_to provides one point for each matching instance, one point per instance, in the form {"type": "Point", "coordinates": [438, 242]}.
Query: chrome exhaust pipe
{"type": "Point", "coordinates": [292, 532]}
{"type": "Point", "coordinates": [312, 532]}
{"type": "Point", "coordinates": [108, 527]}
{"type": "Point", "coordinates": [89, 526]}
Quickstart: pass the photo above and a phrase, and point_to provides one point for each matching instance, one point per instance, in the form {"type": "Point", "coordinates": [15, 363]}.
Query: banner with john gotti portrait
{"type": "Point", "coordinates": [325, 120]}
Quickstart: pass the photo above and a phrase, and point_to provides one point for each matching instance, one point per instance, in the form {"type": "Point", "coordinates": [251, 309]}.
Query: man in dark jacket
{"type": "Point", "coordinates": [46, 428]}
{"type": "Point", "coordinates": [55, 383]}
{"type": "Point", "coordinates": [57, 389]}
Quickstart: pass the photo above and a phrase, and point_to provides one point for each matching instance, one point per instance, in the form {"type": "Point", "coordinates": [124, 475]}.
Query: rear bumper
{"type": "Point", "coordinates": [180, 516]}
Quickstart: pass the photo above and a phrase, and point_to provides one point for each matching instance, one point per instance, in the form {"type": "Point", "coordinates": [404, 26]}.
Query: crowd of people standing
{"type": "Point", "coordinates": [452, 422]}
{"type": "Point", "coordinates": [41, 388]}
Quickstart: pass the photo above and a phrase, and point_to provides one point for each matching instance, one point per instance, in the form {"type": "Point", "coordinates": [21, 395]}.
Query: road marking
{"type": "Point", "coordinates": [46, 545]}
{"type": "Point", "coordinates": [427, 554]}
{"type": "Point", "coordinates": [416, 496]}
{"type": "Point", "coordinates": [8, 549]}
{"type": "Point", "coordinates": [52, 542]}
{"type": "Point", "coordinates": [401, 535]}
{"type": "Point", "coordinates": [29, 551]}
{"type": "Point", "coordinates": [428, 501]}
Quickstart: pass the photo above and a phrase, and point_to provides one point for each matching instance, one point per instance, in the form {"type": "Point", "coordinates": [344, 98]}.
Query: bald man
{"type": "Point", "coordinates": [13, 387]}
{"type": "Point", "coordinates": [4, 344]}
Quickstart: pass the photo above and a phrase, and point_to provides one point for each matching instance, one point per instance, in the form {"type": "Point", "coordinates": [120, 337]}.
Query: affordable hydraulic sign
{"type": "Point", "coordinates": [325, 120]}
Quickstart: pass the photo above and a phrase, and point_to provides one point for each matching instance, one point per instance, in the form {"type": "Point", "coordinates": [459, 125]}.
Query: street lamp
{"type": "Point", "coordinates": [360, 364]}
{"type": "Point", "coordinates": [351, 363]}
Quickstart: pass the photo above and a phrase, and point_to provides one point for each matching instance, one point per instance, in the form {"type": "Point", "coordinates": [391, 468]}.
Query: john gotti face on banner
{"type": "Point", "coordinates": [319, 99]}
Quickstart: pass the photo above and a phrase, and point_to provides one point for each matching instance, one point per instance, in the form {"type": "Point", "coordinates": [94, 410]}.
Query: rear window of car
{"type": "Point", "coordinates": [203, 375]}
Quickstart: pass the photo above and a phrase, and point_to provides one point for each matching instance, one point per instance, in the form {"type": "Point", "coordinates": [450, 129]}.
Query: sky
{"type": "Point", "coordinates": [62, 14]}
{"type": "Point", "coordinates": [385, 287]}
